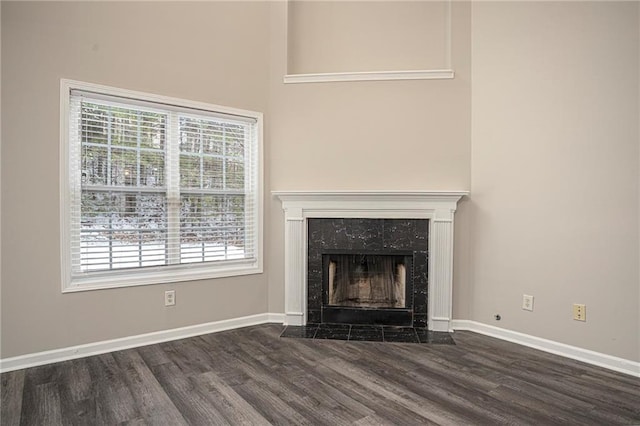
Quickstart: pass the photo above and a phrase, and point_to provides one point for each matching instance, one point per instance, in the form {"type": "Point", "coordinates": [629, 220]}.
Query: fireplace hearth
{"type": "Point", "coordinates": [368, 333]}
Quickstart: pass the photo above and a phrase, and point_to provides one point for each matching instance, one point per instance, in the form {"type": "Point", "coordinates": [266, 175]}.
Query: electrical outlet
{"type": "Point", "coordinates": [527, 302]}
{"type": "Point", "coordinates": [169, 298]}
{"type": "Point", "coordinates": [579, 312]}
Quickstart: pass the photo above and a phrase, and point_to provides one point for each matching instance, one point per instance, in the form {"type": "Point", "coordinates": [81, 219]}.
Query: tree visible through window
{"type": "Point", "coordinates": [123, 215]}
{"type": "Point", "coordinates": [156, 184]}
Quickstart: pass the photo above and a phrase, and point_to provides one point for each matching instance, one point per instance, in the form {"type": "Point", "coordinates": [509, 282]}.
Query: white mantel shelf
{"type": "Point", "coordinates": [354, 202]}
{"type": "Point", "coordinates": [437, 206]}
{"type": "Point", "coordinates": [309, 195]}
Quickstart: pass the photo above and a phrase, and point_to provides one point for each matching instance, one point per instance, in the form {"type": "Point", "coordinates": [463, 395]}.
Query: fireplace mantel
{"type": "Point", "coordinates": [437, 206]}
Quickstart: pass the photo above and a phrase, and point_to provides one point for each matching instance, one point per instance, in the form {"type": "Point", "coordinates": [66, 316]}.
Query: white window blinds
{"type": "Point", "coordinates": [157, 185]}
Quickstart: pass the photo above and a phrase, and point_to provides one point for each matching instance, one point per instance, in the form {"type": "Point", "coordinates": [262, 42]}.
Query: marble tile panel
{"type": "Point", "coordinates": [400, 335]}
{"type": "Point", "coordinates": [419, 321]}
{"type": "Point", "coordinates": [314, 316]}
{"type": "Point", "coordinates": [347, 234]}
{"type": "Point", "coordinates": [333, 331]}
{"type": "Point", "coordinates": [366, 336]}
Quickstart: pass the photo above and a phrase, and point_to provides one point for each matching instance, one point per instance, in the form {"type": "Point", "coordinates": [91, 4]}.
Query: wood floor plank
{"type": "Point", "coordinates": [150, 398]}
{"type": "Point", "coordinates": [308, 358]}
{"type": "Point", "coordinates": [450, 368]}
{"type": "Point", "coordinates": [270, 406]}
{"type": "Point", "coordinates": [387, 390]}
{"type": "Point", "coordinates": [450, 391]}
{"type": "Point", "coordinates": [42, 406]}
{"type": "Point", "coordinates": [114, 402]}
{"type": "Point", "coordinates": [587, 389]}
{"type": "Point", "coordinates": [11, 397]}
{"type": "Point", "coordinates": [542, 410]}
{"type": "Point", "coordinates": [153, 355]}
{"type": "Point", "coordinates": [565, 385]}
{"type": "Point", "coordinates": [326, 394]}
{"type": "Point", "coordinates": [232, 406]}
{"type": "Point", "coordinates": [371, 420]}
{"type": "Point", "coordinates": [315, 355]}
{"type": "Point", "coordinates": [194, 408]}
{"type": "Point", "coordinates": [338, 396]}
{"type": "Point", "coordinates": [307, 404]}
{"type": "Point", "coordinates": [391, 411]}
{"type": "Point", "coordinates": [76, 390]}
{"type": "Point", "coordinates": [251, 376]}
{"type": "Point", "coordinates": [76, 378]}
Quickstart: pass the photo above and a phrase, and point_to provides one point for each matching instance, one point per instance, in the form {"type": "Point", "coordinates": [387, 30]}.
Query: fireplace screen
{"type": "Point", "coordinates": [367, 280]}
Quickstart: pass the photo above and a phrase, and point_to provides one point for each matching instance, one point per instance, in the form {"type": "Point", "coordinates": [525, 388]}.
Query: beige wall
{"type": "Point", "coordinates": [346, 36]}
{"type": "Point", "coordinates": [211, 52]}
{"type": "Point", "coordinates": [371, 135]}
{"type": "Point", "coordinates": [547, 141]}
{"type": "Point", "coordinates": [0, 181]}
{"type": "Point", "coordinates": [395, 135]}
{"type": "Point", "coordinates": [555, 143]}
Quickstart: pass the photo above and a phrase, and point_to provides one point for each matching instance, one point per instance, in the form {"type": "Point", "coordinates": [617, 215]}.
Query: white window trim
{"type": "Point", "coordinates": [152, 275]}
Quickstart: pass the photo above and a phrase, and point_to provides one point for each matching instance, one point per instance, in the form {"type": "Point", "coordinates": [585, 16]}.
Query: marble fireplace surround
{"type": "Point", "coordinates": [437, 206]}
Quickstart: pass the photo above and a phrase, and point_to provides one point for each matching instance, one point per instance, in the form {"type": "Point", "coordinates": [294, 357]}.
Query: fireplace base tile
{"type": "Point", "coordinates": [367, 333]}
{"type": "Point", "coordinates": [333, 331]}
{"type": "Point", "coordinates": [420, 321]}
{"type": "Point", "coordinates": [400, 335]}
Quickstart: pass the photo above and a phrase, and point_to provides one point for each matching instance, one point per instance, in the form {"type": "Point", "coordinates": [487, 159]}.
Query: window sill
{"type": "Point", "coordinates": [161, 276]}
{"type": "Point", "coordinates": [369, 76]}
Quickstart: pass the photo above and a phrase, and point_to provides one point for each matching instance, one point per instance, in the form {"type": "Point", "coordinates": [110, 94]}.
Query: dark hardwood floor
{"type": "Point", "coordinates": [251, 376]}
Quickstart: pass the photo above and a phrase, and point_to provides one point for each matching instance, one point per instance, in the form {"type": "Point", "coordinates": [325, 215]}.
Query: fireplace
{"type": "Point", "coordinates": [367, 271]}
{"type": "Point", "coordinates": [427, 301]}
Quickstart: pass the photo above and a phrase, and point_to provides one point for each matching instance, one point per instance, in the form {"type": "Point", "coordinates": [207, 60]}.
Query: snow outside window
{"type": "Point", "coordinates": [157, 189]}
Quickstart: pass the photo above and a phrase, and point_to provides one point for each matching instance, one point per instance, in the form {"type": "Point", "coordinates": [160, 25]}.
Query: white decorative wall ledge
{"type": "Point", "coordinates": [334, 77]}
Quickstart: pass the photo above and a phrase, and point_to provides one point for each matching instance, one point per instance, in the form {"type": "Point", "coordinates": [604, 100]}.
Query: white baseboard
{"type": "Point", "coordinates": [279, 318]}
{"type": "Point", "coordinates": [40, 358]}
{"type": "Point", "coordinates": [73, 352]}
{"type": "Point", "coordinates": [590, 357]}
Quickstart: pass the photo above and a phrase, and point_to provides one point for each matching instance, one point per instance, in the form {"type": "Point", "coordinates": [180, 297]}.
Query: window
{"type": "Point", "coordinates": [156, 189]}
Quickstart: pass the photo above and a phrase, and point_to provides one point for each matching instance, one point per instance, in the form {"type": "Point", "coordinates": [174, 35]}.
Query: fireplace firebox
{"type": "Point", "coordinates": [363, 280]}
